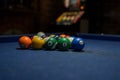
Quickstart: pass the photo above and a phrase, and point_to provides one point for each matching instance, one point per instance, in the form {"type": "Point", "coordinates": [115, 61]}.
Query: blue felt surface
{"type": "Point", "coordinates": [99, 61]}
{"type": "Point", "coordinates": [100, 36]}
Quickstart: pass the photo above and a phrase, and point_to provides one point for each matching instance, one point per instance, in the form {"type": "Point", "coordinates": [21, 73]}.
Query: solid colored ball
{"type": "Point", "coordinates": [67, 36]}
{"type": "Point", "coordinates": [25, 42]}
{"type": "Point", "coordinates": [78, 44]}
{"type": "Point", "coordinates": [62, 35]}
{"type": "Point", "coordinates": [71, 40]}
{"type": "Point", "coordinates": [54, 36]}
{"type": "Point", "coordinates": [51, 44]}
{"type": "Point", "coordinates": [51, 35]}
{"type": "Point", "coordinates": [63, 44]}
{"type": "Point", "coordinates": [37, 42]}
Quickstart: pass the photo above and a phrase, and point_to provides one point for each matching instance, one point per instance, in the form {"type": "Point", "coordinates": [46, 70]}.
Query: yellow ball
{"type": "Point", "coordinates": [37, 42]}
{"type": "Point", "coordinates": [52, 35]}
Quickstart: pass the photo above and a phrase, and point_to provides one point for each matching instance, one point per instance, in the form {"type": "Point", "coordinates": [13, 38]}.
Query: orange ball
{"type": "Point", "coordinates": [25, 42]}
{"type": "Point", "coordinates": [62, 35]}
{"type": "Point", "coordinates": [67, 36]}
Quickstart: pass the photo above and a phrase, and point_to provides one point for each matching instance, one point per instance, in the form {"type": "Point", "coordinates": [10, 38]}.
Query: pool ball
{"type": "Point", "coordinates": [51, 43]}
{"type": "Point", "coordinates": [51, 35]}
{"type": "Point", "coordinates": [56, 37]}
{"type": "Point", "coordinates": [25, 42]}
{"type": "Point", "coordinates": [46, 38]}
{"type": "Point", "coordinates": [62, 35]}
{"type": "Point", "coordinates": [34, 36]}
{"type": "Point", "coordinates": [63, 44]}
{"type": "Point", "coordinates": [78, 44]}
{"type": "Point", "coordinates": [41, 34]}
{"type": "Point", "coordinates": [67, 36]}
{"type": "Point", "coordinates": [71, 40]}
{"type": "Point", "coordinates": [37, 42]}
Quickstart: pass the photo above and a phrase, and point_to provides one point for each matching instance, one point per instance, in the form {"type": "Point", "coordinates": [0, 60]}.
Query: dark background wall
{"type": "Point", "coordinates": [49, 11]}
{"type": "Point", "coordinates": [112, 17]}
{"type": "Point", "coordinates": [39, 15]}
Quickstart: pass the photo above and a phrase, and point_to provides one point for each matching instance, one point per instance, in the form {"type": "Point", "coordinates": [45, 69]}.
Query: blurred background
{"type": "Point", "coordinates": [32, 16]}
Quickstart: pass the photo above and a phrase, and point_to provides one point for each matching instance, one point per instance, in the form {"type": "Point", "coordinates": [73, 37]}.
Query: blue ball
{"type": "Point", "coordinates": [78, 44]}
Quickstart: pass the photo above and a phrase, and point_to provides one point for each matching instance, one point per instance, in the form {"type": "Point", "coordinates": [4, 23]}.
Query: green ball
{"type": "Point", "coordinates": [63, 44]}
{"type": "Point", "coordinates": [51, 44]}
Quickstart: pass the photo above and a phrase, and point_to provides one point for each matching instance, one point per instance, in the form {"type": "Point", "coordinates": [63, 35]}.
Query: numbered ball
{"type": "Point", "coordinates": [71, 40]}
{"type": "Point", "coordinates": [51, 44]}
{"type": "Point", "coordinates": [62, 35]}
{"type": "Point", "coordinates": [63, 44]}
{"type": "Point", "coordinates": [78, 44]}
{"type": "Point", "coordinates": [46, 38]}
{"type": "Point", "coordinates": [41, 34]}
{"type": "Point", "coordinates": [25, 42]}
{"type": "Point", "coordinates": [37, 42]}
{"type": "Point", "coordinates": [51, 35]}
{"type": "Point", "coordinates": [56, 37]}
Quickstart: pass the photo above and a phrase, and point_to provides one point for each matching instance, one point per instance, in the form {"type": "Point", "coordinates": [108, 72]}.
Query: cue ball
{"type": "Point", "coordinates": [25, 42]}
{"type": "Point", "coordinates": [78, 44]}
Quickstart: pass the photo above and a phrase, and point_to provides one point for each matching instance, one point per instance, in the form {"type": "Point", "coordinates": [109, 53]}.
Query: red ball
{"type": "Point", "coordinates": [25, 42]}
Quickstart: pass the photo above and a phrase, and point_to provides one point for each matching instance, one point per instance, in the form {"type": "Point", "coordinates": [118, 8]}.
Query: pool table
{"type": "Point", "coordinates": [99, 60]}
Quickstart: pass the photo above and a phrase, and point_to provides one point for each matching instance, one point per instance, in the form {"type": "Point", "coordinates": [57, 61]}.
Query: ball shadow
{"type": "Point", "coordinates": [78, 50]}
{"type": "Point", "coordinates": [21, 48]}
